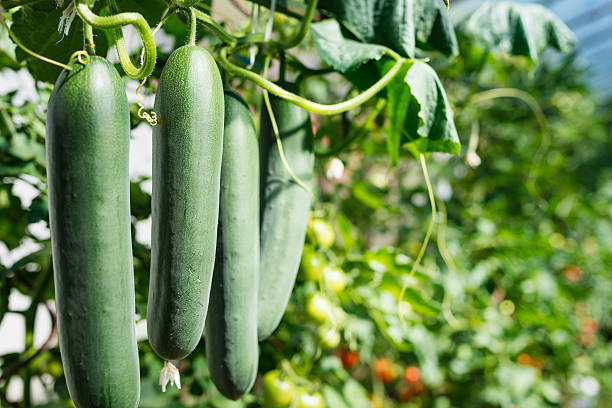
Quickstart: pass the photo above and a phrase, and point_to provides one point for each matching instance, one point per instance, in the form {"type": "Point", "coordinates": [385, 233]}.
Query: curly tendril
{"type": "Point", "coordinates": [142, 114]}
{"type": "Point", "coordinates": [81, 56]}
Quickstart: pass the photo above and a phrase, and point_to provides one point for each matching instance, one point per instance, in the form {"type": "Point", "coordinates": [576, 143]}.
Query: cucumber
{"type": "Point", "coordinates": [231, 324]}
{"type": "Point", "coordinates": [284, 208]}
{"type": "Point", "coordinates": [187, 148]}
{"type": "Point", "coordinates": [88, 136]}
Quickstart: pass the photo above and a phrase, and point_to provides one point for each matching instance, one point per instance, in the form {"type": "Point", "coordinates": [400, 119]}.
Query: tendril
{"type": "Point", "coordinates": [430, 228]}
{"type": "Point", "coordinates": [142, 114]}
{"type": "Point", "coordinates": [81, 56]}
{"type": "Point", "coordinates": [279, 144]}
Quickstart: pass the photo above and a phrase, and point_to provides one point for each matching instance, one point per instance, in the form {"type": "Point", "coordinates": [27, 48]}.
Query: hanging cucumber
{"type": "Point", "coordinates": [231, 324]}
{"type": "Point", "coordinates": [284, 208]}
{"type": "Point", "coordinates": [88, 136]}
{"type": "Point", "coordinates": [187, 148]}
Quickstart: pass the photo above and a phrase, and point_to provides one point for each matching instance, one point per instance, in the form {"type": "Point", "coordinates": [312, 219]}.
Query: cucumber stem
{"type": "Point", "coordinates": [307, 104]}
{"type": "Point", "coordinates": [114, 23]}
{"type": "Point", "coordinates": [193, 26]}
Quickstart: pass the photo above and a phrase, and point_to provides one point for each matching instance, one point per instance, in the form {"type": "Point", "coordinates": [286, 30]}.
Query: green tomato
{"type": "Point", "coordinates": [277, 390]}
{"type": "Point", "coordinates": [311, 265]}
{"type": "Point", "coordinates": [318, 308]}
{"type": "Point", "coordinates": [322, 232]}
{"type": "Point", "coordinates": [307, 400]}
{"type": "Point", "coordinates": [329, 337]}
{"type": "Point", "coordinates": [185, 3]}
{"type": "Point", "coordinates": [335, 279]}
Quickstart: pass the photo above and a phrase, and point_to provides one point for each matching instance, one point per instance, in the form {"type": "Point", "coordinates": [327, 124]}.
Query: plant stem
{"type": "Point", "coordinates": [90, 46]}
{"type": "Point", "coordinates": [115, 23]}
{"type": "Point", "coordinates": [301, 33]}
{"type": "Point", "coordinates": [193, 26]}
{"type": "Point", "coordinates": [308, 104]}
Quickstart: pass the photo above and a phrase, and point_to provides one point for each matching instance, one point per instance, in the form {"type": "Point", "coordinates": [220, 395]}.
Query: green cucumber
{"type": "Point", "coordinates": [231, 324]}
{"type": "Point", "coordinates": [88, 136]}
{"type": "Point", "coordinates": [187, 149]}
{"type": "Point", "coordinates": [284, 208]}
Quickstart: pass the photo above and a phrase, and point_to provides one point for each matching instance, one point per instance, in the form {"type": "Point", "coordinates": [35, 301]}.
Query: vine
{"type": "Point", "coordinates": [115, 22]}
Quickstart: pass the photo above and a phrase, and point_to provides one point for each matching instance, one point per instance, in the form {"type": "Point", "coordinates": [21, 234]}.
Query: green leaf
{"type": "Point", "coordinates": [398, 24]}
{"type": "Point", "coordinates": [517, 29]}
{"type": "Point", "coordinates": [7, 50]}
{"type": "Point", "coordinates": [140, 202]}
{"type": "Point", "coordinates": [385, 22]}
{"type": "Point", "coordinates": [433, 27]}
{"type": "Point", "coordinates": [355, 394]}
{"type": "Point", "coordinates": [367, 197]}
{"type": "Point", "coordinates": [346, 231]}
{"type": "Point", "coordinates": [332, 397]}
{"type": "Point", "coordinates": [12, 218]}
{"type": "Point", "coordinates": [343, 54]}
{"type": "Point", "coordinates": [36, 26]}
{"type": "Point", "coordinates": [419, 109]}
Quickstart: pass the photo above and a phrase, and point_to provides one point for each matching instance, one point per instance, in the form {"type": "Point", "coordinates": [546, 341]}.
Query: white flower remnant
{"type": "Point", "coordinates": [334, 169]}
{"type": "Point", "coordinates": [169, 374]}
{"type": "Point", "coordinates": [66, 19]}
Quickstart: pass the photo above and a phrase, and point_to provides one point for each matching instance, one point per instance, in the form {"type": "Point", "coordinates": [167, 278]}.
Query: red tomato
{"type": "Point", "coordinates": [349, 358]}
{"type": "Point", "coordinates": [412, 374]}
{"type": "Point", "coordinates": [384, 370]}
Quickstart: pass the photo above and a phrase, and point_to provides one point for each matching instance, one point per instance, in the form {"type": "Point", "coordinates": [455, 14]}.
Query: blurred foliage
{"type": "Point", "coordinates": [510, 306]}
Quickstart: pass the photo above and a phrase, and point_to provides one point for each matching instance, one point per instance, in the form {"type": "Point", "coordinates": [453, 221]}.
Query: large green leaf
{"type": "Point", "coordinates": [518, 29]}
{"type": "Point", "coordinates": [433, 27]}
{"type": "Point", "coordinates": [343, 54]}
{"type": "Point", "coordinates": [400, 25]}
{"type": "Point", "coordinates": [419, 112]}
{"type": "Point", "coordinates": [36, 26]}
{"type": "Point", "coordinates": [386, 22]}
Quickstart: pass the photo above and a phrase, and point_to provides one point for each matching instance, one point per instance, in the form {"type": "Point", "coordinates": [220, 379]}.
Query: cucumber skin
{"type": "Point", "coordinates": [88, 134]}
{"type": "Point", "coordinates": [187, 148]}
{"type": "Point", "coordinates": [284, 208]}
{"type": "Point", "coordinates": [231, 324]}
